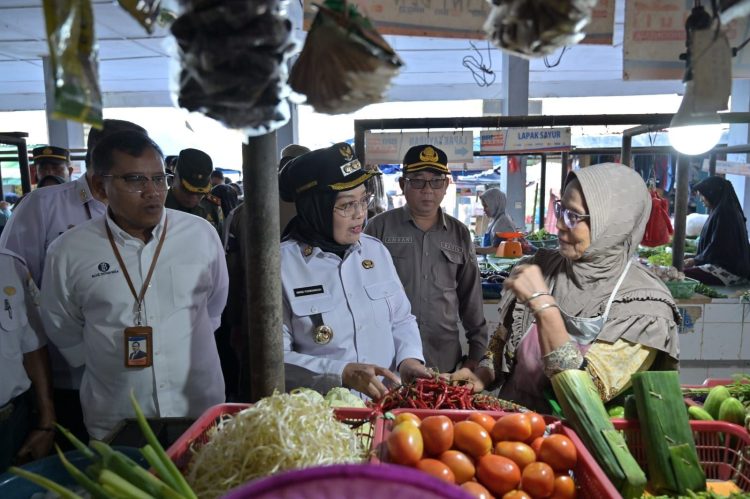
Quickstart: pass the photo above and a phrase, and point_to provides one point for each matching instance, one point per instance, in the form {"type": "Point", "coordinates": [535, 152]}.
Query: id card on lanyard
{"type": "Point", "coordinates": [138, 339]}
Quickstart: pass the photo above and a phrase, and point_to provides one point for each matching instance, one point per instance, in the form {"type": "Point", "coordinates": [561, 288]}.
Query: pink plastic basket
{"type": "Point", "coordinates": [181, 451]}
{"type": "Point", "coordinates": [721, 449]}
{"type": "Point", "coordinates": [591, 481]}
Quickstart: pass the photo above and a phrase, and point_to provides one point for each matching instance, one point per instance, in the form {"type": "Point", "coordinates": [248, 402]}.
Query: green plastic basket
{"type": "Point", "coordinates": [682, 289]}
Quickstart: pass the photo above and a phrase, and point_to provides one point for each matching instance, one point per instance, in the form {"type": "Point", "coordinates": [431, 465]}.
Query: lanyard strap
{"type": "Point", "coordinates": [138, 298]}
{"type": "Point", "coordinates": [617, 288]}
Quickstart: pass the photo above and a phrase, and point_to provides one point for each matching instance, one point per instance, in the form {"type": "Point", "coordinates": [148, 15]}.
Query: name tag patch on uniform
{"type": "Point", "coordinates": [310, 290]}
{"type": "Point", "coordinates": [398, 239]}
{"type": "Point", "coordinates": [451, 247]}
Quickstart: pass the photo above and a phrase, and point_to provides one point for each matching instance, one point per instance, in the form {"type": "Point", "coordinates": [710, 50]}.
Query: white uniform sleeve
{"type": "Point", "coordinates": [25, 235]}
{"type": "Point", "coordinates": [217, 300]}
{"type": "Point", "coordinates": [61, 315]}
{"type": "Point", "coordinates": [33, 335]}
{"type": "Point", "coordinates": [302, 370]}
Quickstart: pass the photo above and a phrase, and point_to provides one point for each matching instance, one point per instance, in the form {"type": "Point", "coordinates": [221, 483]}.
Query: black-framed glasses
{"type": "Point", "coordinates": [139, 183]}
{"type": "Point", "coordinates": [569, 217]}
{"type": "Point", "coordinates": [420, 183]}
{"type": "Point", "coordinates": [350, 209]}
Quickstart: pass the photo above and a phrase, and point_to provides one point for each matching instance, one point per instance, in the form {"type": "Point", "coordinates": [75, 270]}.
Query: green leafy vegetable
{"type": "Point", "coordinates": [708, 291]}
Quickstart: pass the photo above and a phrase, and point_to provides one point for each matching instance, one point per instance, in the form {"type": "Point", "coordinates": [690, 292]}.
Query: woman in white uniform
{"type": "Point", "coordinates": [347, 320]}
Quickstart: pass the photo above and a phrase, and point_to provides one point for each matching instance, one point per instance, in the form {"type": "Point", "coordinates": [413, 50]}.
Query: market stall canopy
{"type": "Point", "coordinates": [135, 68]}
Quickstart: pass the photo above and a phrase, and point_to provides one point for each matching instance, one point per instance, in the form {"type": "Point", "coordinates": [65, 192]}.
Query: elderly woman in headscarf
{"type": "Point", "coordinates": [588, 305]}
{"type": "Point", "coordinates": [494, 201]}
{"type": "Point", "coordinates": [723, 255]}
{"type": "Point", "coordinates": [346, 318]}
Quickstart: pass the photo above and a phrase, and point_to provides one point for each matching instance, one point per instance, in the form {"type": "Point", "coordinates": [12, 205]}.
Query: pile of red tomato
{"type": "Point", "coordinates": [508, 458]}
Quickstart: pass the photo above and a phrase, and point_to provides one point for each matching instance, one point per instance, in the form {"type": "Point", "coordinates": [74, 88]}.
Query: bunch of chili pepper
{"type": "Point", "coordinates": [436, 393]}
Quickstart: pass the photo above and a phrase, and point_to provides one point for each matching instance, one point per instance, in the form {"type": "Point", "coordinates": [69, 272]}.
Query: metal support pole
{"type": "Point", "coordinates": [359, 143]}
{"type": "Point", "coordinates": [680, 211]}
{"type": "Point", "coordinates": [627, 149]}
{"type": "Point", "coordinates": [564, 170]}
{"type": "Point", "coordinates": [18, 139]}
{"type": "Point", "coordinates": [262, 277]}
{"type": "Point", "coordinates": [712, 164]}
{"type": "Point", "coordinates": [542, 191]}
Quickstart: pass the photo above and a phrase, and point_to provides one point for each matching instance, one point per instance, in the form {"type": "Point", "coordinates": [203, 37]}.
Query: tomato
{"type": "Point", "coordinates": [565, 488]}
{"type": "Point", "coordinates": [559, 452]}
{"type": "Point", "coordinates": [436, 468]}
{"type": "Point", "coordinates": [461, 465]}
{"type": "Point", "coordinates": [437, 433]}
{"type": "Point", "coordinates": [471, 438]}
{"type": "Point", "coordinates": [477, 490]}
{"type": "Point", "coordinates": [516, 494]}
{"type": "Point", "coordinates": [405, 445]}
{"type": "Point", "coordinates": [536, 444]}
{"type": "Point", "coordinates": [538, 479]}
{"type": "Point", "coordinates": [518, 452]}
{"type": "Point", "coordinates": [538, 426]}
{"type": "Point", "coordinates": [516, 427]}
{"type": "Point", "coordinates": [499, 474]}
{"type": "Point", "coordinates": [484, 420]}
{"type": "Point", "coordinates": [402, 417]}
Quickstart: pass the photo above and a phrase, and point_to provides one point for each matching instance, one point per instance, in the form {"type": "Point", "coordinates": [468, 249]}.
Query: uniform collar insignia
{"type": "Point", "coordinates": [307, 251]}
{"type": "Point", "coordinates": [368, 264]}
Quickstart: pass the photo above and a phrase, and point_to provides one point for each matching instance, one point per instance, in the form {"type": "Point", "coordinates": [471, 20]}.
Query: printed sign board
{"type": "Point", "coordinates": [728, 167]}
{"type": "Point", "coordinates": [390, 147]}
{"type": "Point", "coordinates": [524, 140]}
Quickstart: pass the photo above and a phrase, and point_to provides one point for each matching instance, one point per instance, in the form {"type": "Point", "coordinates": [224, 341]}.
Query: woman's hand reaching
{"type": "Point", "coordinates": [364, 378]}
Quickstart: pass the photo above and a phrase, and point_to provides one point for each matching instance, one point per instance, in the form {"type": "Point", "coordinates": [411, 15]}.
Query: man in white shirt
{"type": "Point", "coordinates": [98, 300]}
{"type": "Point", "coordinates": [38, 220]}
{"type": "Point", "coordinates": [23, 361]}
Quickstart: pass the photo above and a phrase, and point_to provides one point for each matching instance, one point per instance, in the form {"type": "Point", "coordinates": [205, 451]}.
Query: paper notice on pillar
{"type": "Point", "coordinates": [437, 18]}
{"type": "Point", "coordinates": [389, 148]}
{"type": "Point", "coordinates": [600, 31]}
{"type": "Point", "coordinates": [524, 140]}
{"type": "Point", "coordinates": [479, 163]}
{"type": "Point", "coordinates": [655, 37]}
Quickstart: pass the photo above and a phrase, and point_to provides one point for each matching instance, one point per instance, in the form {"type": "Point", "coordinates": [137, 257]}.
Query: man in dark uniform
{"type": "Point", "coordinates": [52, 161]}
{"type": "Point", "coordinates": [191, 189]}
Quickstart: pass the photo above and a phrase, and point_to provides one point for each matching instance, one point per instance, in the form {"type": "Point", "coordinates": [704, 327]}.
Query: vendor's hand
{"type": "Point", "coordinates": [364, 378]}
{"type": "Point", "coordinates": [38, 444]}
{"type": "Point", "coordinates": [524, 281]}
{"type": "Point", "coordinates": [411, 369]}
{"type": "Point", "coordinates": [689, 262]}
{"type": "Point", "coordinates": [470, 364]}
{"type": "Point", "coordinates": [470, 377]}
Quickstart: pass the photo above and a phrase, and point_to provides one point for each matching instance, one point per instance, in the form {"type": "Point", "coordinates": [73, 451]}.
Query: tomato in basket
{"type": "Point", "coordinates": [517, 494]}
{"type": "Point", "coordinates": [477, 490]}
{"type": "Point", "coordinates": [471, 438]}
{"type": "Point", "coordinates": [516, 427]}
{"type": "Point", "coordinates": [565, 487]}
{"type": "Point", "coordinates": [461, 465]}
{"type": "Point", "coordinates": [538, 479]}
{"type": "Point", "coordinates": [499, 474]}
{"type": "Point", "coordinates": [559, 452]}
{"type": "Point", "coordinates": [436, 468]}
{"type": "Point", "coordinates": [405, 444]}
{"type": "Point", "coordinates": [518, 452]}
{"type": "Point", "coordinates": [407, 416]}
{"type": "Point", "coordinates": [538, 426]}
{"type": "Point", "coordinates": [484, 420]}
{"type": "Point", "coordinates": [437, 433]}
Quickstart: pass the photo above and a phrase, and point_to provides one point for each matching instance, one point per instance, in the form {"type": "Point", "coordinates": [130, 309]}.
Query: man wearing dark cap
{"type": "Point", "coordinates": [434, 255]}
{"type": "Point", "coordinates": [52, 161]}
{"type": "Point", "coordinates": [43, 215]}
{"type": "Point", "coordinates": [191, 189]}
{"type": "Point", "coordinates": [346, 316]}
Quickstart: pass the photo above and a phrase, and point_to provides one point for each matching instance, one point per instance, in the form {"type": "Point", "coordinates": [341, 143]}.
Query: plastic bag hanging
{"type": "Point", "coordinates": [73, 57]}
{"type": "Point", "coordinates": [659, 227]}
{"type": "Point", "coordinates": [345, 64]}
{"type": "Point", "coordinates": [534, 28]}
{"type": "Point", "coordinates": [233, 57]}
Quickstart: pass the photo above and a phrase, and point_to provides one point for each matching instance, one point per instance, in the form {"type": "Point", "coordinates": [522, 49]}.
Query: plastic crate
{"type": "Point", "coordinates": [181, 451]}
{"type": "Point", "coordinates": [591, 481]}
{"type": "Point", "coordinates": [721, 449]}
{"type": "Point", "coordinates": [682, 289]}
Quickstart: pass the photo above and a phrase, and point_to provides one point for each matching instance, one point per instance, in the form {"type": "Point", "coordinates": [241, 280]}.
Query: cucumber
{"type": "Point", "coordinates": [732, 411]}
{"type": "Point", "coordinates": [699, 413]}
{"type": "Point", "coordinates": [716, 396]}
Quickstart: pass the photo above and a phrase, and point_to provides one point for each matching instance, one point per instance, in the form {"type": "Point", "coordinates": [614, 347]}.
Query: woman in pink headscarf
{"type": "Point", "coordinates": [589, 304]}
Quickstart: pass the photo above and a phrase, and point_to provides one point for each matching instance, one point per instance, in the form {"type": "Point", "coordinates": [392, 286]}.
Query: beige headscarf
{"type": "Point", "coordinates": [619, 205]}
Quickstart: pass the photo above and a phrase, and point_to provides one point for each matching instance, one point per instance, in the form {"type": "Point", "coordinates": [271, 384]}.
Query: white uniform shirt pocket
{"type": "Point", "coordinates": [382, 295]}
{"type": "Point", "coordinates": [303, 322]}
{"type": "Point", "coordinates": [12, 313]}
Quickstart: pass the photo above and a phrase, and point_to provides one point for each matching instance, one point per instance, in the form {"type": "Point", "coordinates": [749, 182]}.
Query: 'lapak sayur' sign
{"type": "Point", "coordinates": [524, 140]}
{"type": "Point", "coordinates": [390, 147]}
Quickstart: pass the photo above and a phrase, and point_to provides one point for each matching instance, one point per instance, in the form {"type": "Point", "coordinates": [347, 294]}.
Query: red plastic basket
{"type": "Point", "coordinates": [591, 480]}
{"type": "Point", "coordinates": [181, 451]}
{"type": "Point", "coordinates": [721, 449]}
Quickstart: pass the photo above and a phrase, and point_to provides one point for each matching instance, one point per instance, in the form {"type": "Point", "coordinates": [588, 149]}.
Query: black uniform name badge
{"type": "Point", "coordinates": [138, 346]}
